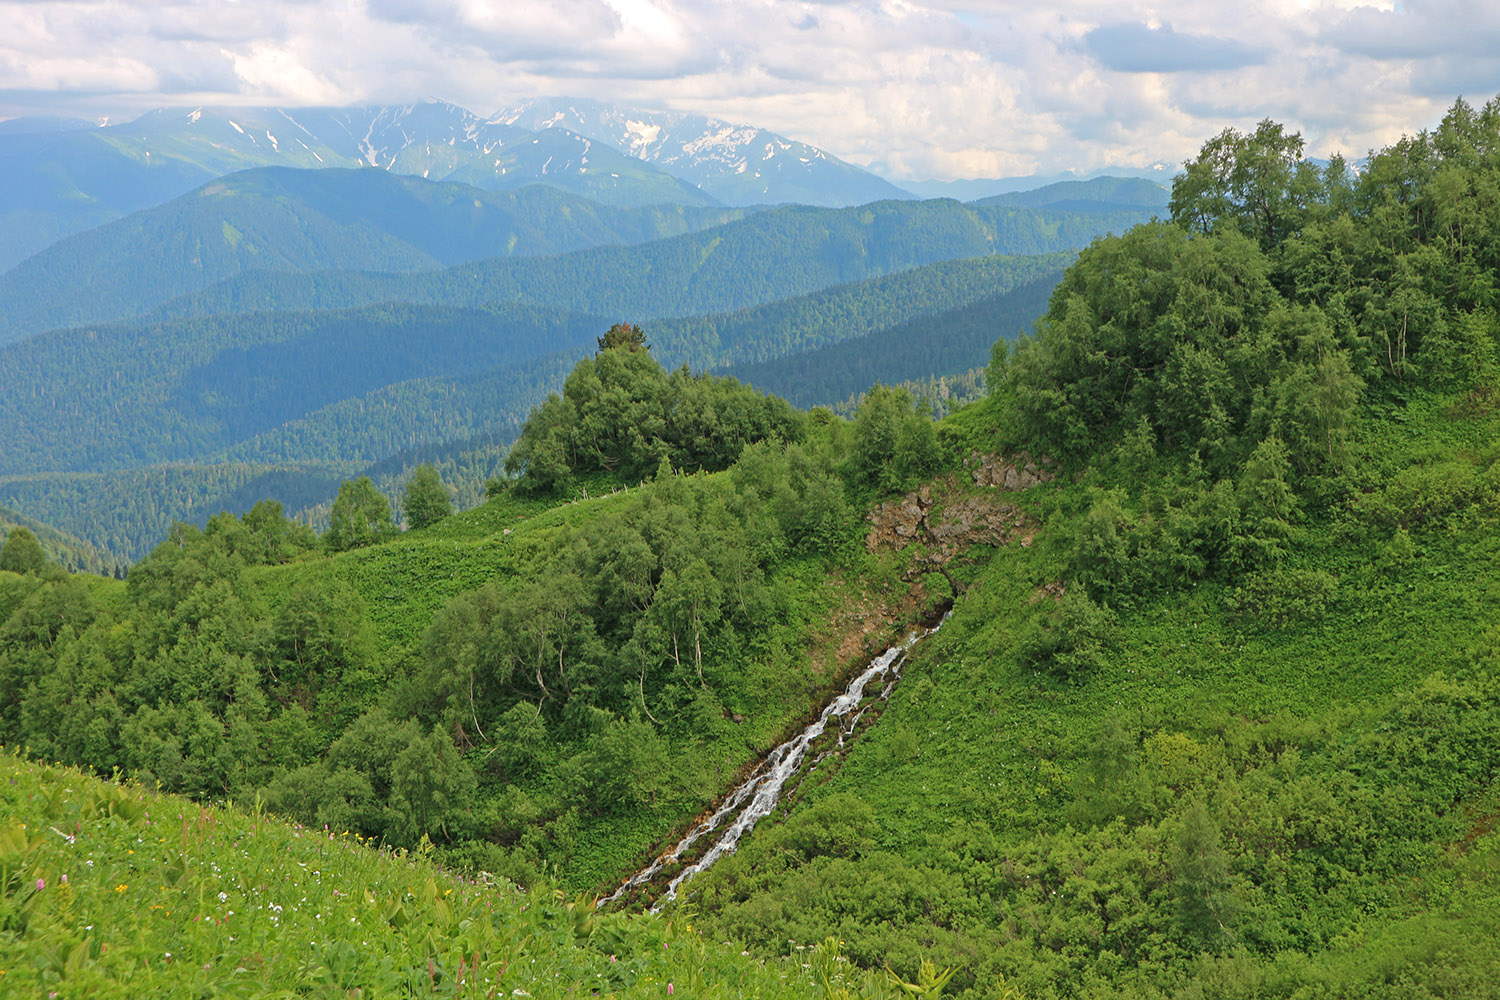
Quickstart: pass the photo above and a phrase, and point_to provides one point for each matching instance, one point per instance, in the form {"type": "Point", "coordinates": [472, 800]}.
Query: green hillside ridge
{"type": "Point", "coordinates": [1216, 713]}
{"type": "Point", "coordinates": [115, 891]}
{"type": "Point", "coordinates": [281, 219]}
{"type": "Point", "coordinates": [866, 311]}
{"type": "Point", "coordinates": [950, 342]}
{"type": "Point", "coordinates": [1228, 727]}
{"type": "Point", "coordinates": [301, 390]}
{"type": "Point", "coordinates": [771, 255]}
{"type": "Point", "coordinates": [199, 389]}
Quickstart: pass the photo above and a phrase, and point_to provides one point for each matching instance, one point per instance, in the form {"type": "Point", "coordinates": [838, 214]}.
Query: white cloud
{"type": "Point", "coordinates": [916, 88]}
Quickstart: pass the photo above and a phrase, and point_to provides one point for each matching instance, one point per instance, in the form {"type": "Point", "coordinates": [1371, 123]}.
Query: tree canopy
{"type": "Point", "coordinates": [425, 499]}
{"type": "Point", "coordinates": [361, 515]}
{"type": "Point", "coordinates": [622, 414]}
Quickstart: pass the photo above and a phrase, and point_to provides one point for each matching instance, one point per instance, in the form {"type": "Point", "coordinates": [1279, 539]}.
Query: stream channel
{"type": "Point", "coordinates": [757, 796]}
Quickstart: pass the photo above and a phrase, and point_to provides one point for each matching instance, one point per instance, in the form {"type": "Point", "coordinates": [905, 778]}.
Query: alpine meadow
{"type": "Point", "coordinates": [395, 568]}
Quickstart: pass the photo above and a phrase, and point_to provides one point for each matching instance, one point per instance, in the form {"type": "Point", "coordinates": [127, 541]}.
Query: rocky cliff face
{"type": "Point", "coordinates": [943, 520]}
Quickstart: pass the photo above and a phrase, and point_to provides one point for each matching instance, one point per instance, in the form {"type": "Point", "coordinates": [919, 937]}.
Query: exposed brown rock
{"type": "Point", "coordinates": [947, 522]}
{"type": "Point", "coordinates": [1016, 472]}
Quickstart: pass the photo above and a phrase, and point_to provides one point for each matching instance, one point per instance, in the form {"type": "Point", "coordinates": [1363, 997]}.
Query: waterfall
{"type": "Point", "coordinates": [756, 796]}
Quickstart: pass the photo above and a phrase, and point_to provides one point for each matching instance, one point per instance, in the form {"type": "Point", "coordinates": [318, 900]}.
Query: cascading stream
{"type": "Point", "coordinates": [756, 796]}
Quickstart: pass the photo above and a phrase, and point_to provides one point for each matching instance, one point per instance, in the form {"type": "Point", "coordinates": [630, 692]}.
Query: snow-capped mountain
{"type": "Point", "coordinates": [55, 181]}
{"type": "Point", "coordinates": [737, 164]}
{"type": "Point", "coordinates": [434, 140]}
{"type": "Point", "coordinates": [60, 178]}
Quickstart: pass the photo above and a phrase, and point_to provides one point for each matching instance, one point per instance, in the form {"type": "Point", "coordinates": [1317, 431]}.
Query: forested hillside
{"type": "Point", "coordinates": [1227, 727]}
{"type": "Point", "coordinates": [948, 343]}
{"type": "Point", "coordinates": [316, 392]}
{"type": "Point", "coordinates": [771, 255]}
{"type": "Point", "coordinates": [72, 554]}
{"type": "Point", "coordinates": [1215, 713]}
{"type": "Point", "coordinates": [277, 219]}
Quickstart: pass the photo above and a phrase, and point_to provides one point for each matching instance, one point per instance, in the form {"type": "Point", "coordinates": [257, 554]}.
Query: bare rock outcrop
{"type": "Point", "coordinates": [1016, 472]}
{"type": "Point", "coordinates": [947, 522]}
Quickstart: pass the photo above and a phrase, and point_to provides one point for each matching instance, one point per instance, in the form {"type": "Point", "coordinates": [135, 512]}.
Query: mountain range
{"type": "Point", "coordinates": [269, 301]}
{"type": "Point", "coordinates": [59, 177]}
{"type": "Point", "coordinates": [736, 164]}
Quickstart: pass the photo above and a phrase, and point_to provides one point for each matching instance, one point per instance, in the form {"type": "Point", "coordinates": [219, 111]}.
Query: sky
{"type": "Point", "coordinates": [913, 89]}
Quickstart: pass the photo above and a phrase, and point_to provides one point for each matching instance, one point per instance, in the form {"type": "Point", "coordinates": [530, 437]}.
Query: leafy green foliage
{"type": "Point", "coordinates": [1251, 751]}
{"type": "Point", "coordinates": [894, 443]}
{"type": "Point", "coordinates": [424, 501]}
{"type": "Point", "coordinates": [1260, 750]}
{"type": "Point", "coordinates": [361, 515]}
{"type": "Point", "coordinates": [622, 414]}
{"type": "Point", "coordinates": [22, 553]}
{"type": "Point", "coordinates": [1070, 638]}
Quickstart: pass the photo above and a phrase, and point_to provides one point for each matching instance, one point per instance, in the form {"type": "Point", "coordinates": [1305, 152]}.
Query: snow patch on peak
{"type": "Point", "coordinates": [236, 126]}
{"type": "Point", "coordinates": [194, 115]}
{"type": "Point", "coordinates": [725, 139]}
{"type": "Point", "coordinates": [642, 135]}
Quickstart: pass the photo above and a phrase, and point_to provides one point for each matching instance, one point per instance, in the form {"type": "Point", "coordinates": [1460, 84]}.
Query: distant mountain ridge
{"type": "Point", "coordinates": [736, 164]}
{"type": "Point", "coordinates": [57, 178]}
{"type": "Point", "coordinates": [281, 219]}
{"type": "Point", "coordinates": [773, 254]}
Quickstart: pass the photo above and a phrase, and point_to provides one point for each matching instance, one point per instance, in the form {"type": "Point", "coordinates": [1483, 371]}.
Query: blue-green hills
{"type": "Point", "coordinates": [235, 344]}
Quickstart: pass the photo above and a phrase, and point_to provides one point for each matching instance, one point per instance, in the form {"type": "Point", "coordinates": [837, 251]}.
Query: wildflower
{"type": "Point", "coordinates": [121, 887]}
{"type": "Point", "coordinates": [41, 884]}
{"type": "Point", "coordinates": [669, 989]}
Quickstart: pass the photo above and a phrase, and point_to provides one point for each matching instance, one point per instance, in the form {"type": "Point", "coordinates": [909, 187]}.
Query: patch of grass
{"type": "Point", "coordinates": [108, 890]}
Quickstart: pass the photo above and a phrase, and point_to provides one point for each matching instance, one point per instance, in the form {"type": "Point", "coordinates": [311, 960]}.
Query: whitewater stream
{"type": "Point", "coordinates": [756, 796]}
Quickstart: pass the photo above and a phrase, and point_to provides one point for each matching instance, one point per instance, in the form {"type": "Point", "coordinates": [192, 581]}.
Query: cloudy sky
{"type": "Point", "coordinates": [912, 88]}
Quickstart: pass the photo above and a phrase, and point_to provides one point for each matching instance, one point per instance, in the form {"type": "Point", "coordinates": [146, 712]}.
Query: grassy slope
{"type": "Point", "coordinates": [981, 771]}
{"type": "Point", "coordinates": [113, 891]}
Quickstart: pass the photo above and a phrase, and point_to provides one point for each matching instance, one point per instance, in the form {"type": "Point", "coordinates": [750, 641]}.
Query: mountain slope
{"type": "Point", "coordinates": [189, 390]}
{"type": "Point", "coordinates": [308, 911]}
{"type": "Point", "coordinates": [67, 551]}
{"type": "Point", "coordinates": [1103, 193]}
{"type": "Point", "coordinates": [774, 254]}
{"type": "Point", "coordinates": [737, 164]}
{"type": "Point", "coordinates": [309, 220]}
{"type": "Point", "coordinates": [55, 183]}
{"type": "Point", "coordinates": [948, 343]}
{"type": "Point", "coordinates": [348, 388]}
